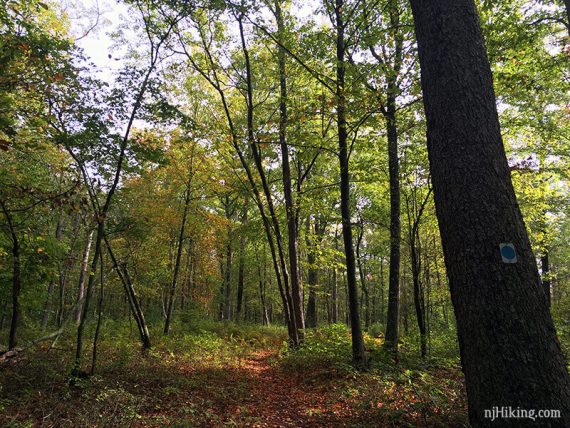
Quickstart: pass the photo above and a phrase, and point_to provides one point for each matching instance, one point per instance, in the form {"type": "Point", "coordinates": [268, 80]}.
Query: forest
{"type": "Point", "coordinates": [284, 213]}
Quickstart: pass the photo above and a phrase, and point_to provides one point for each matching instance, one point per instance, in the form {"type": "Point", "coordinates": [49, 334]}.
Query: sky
{"type": "Point", "coordinates": [91, 22]}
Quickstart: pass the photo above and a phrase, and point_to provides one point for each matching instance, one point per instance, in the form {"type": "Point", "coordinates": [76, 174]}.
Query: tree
{"type": "Point", "coordinates": [509, 351]}
{"type": "Point", "coordinates": [358, 349]}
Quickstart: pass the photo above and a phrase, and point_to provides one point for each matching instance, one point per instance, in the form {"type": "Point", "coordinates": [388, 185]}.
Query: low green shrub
{"type": "Point", "coordinates": [324, 348]}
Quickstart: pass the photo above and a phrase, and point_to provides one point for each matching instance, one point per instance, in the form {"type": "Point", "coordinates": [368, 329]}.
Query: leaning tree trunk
{"type": "Point", "coordinates": [509, 350]}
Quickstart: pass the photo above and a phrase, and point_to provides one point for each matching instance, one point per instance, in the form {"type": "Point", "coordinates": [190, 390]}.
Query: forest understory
{"type": "Point", "coordinates": [224, 374]}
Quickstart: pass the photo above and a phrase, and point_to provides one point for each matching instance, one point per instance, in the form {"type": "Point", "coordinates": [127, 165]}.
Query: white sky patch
{"type": "Point", "coordinates": [91, 23]}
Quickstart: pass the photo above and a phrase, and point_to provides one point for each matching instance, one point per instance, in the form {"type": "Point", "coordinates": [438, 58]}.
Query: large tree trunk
{"type": "Point", "coordinates": [358, 349]}
{"type": "Point", "coordinates": [509, 351]}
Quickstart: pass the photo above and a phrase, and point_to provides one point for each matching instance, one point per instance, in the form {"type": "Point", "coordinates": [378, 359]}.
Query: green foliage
{"type": "Point", "coordinates": [327, 347]}
{"type": "Point", "coordinates": [376, 330]}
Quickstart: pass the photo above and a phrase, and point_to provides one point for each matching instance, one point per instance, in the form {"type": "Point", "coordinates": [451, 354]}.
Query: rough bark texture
{"type": "Point", "coordinates": [358, 349]}
{"type": "Point", "coordinates": [509, 351]}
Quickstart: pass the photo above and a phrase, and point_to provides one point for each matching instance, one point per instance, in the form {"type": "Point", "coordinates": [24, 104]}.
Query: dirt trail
{"type": "Point", "coordinates": [279, 399]}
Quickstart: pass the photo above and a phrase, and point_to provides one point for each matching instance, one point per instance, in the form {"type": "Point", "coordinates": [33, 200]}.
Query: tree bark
{"type": "Point", "coordinates": [509, 351]}
{"type": "Point", "coordinates": [135, 306]}
{"type": "Point", "coordinates": [16, 278]}
{"type": "Point", "coordinates": [83, 275]}
{"type": "Point", "coordinates": [227, 280]}
{"type": "Point", "coordinates": [179, 247]}
{"type": "Point", "coordinates": [365, 291]}
{"type": "Point", "coordinates": [391, 338]}
{"type": "Point", "coordinates": [241, 266]}
{"type": "Point", "coordinates": [334, 296]}
{"type": "Point", "coordinates": [358, 349]}
{"type": "Point", "coordinates": [295, 311]}
{"type": "Point", "coordinates": [312, 279]}
{"type": "Point", "coordinates": [293, 239]}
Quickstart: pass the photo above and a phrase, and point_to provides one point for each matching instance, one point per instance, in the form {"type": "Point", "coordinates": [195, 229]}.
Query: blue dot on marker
{"type": "Point", "coordinates": [508, 252]}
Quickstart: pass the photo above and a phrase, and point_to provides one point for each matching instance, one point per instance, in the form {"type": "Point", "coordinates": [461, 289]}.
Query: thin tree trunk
{"type": "Point", "coordinates": [275, 246]}
{"type": "Point", "coordinates": [16, 278]}
{"type": "Point", "coordinates": [227, 280]}
{"type": "Point", "coordinates": [51, 286]}
{"type": "Point", "coordinates": [179, 247]}
{"type": "Point", "coordinates": [241, 266]}
{"type": "Point", "coordinates": [4, 311]}
{"type": "Point", "coordinates": [312, 279]}
{"type": "Point", "coordinates": [293, 240]}
{"type": "Point", "coordinates": [16, 289]}
{"type": "Point", "coordinates": [358, 349]}
{"type": "Point", "coordinates": [509, 350]}
{"type": "Point", "coordinates": [365, 291]}
{"type": "Point", "coordinates": [99, 317]}
{"type": "Point", "coordinates": [334, 295]}
{"type": "Point", "coordinates": [134, 304]}
{"type": "Point", "coordinates": [391, 341]}
{"type": "Point", "coordinates": [83, 275]}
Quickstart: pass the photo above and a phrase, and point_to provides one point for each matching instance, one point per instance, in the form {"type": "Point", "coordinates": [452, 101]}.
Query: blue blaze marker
{"type": "Point", "coordinates": [508, 253]}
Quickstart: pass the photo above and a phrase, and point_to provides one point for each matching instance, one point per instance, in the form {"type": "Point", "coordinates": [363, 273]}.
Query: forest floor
{"type": "Point", "coordinates": [229, 377]}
